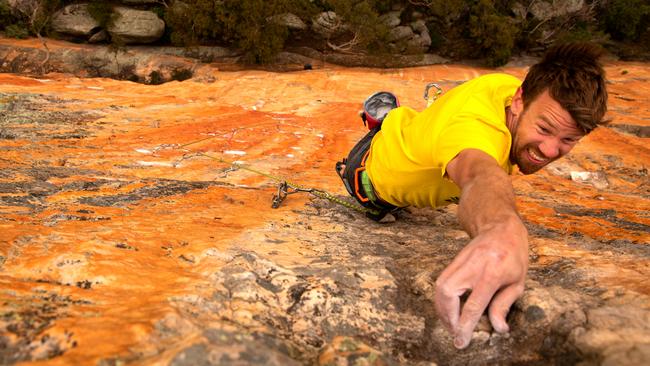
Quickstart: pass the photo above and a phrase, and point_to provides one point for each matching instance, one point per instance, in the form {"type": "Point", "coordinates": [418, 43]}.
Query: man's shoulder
{"type": "Point", "coordinates": [492, 81]}
{"type": "Point", "coordinates": [498, 77]}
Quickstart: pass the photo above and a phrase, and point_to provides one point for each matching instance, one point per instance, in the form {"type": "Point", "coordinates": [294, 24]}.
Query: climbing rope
{"type": "Point", "coordinates": [285, 187]}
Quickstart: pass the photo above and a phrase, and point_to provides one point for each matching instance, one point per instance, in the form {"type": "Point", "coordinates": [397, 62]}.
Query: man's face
{"type": "Point", "coordinates": [543, 132]}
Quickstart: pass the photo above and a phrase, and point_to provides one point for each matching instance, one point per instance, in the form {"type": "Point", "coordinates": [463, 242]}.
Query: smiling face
{"type": "Point", "coordinates": [541, 133]}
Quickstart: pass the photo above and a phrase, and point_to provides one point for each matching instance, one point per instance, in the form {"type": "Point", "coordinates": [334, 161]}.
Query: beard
{"type": "Point", "coordinates": [521, 156]}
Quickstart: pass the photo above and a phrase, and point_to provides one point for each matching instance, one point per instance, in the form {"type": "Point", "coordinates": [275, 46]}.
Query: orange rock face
{"type": "Point", "coordinates": [116, 225]}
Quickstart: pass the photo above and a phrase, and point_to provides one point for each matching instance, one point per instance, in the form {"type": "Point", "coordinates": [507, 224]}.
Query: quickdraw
{"type": "Point", "coordinates": [285, 187]}
{"type": "Point", "coordinates": [283, 191]}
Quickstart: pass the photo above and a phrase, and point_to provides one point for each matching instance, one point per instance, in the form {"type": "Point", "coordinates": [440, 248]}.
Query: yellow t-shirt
{"type": "Point", "coordinates": [409, 156]}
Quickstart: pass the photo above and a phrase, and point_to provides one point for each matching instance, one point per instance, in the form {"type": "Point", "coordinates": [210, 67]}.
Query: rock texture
{"type": "Point", "coordinates": [136, 26]}
{"type": "Point", "coordinates": [74, 20]}
{"type": "Point", "coordinates": [122, 219]}
{"type": "Point", "coordinates": [156, 65]}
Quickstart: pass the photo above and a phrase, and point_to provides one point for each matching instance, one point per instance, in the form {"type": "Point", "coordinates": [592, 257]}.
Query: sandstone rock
{"type": "Point", "coordinates": [618, 334]}
{"type": "Point", "coordinates": [230, 348]}
{"type": "Point", "coordinates": [315, 306]}
{"type": "Point", "coordinates": [422, 39]}
{"type": "Point", "coordinates": [74, 20]}
{"type": "Point", "coordinates": [544, 10]}
{"type": "Point", "coordinates": [613, 318]}
{"type": "Point", "coordinates": [345, 351]}
{"type": "Point", "coordinates": [543, 307]}
{"type": "Point", "coordinates": [562, 168]}
{"type": "Point", "coordinates": [328, 24]}
{"type": "Point", "coordinates": [400, 33]}
{"type": "Point", "coordinates": [136, 26]}
{"type": "Point", "coordinates": [414, 38]}
{"type": "Point", "coordinates": [289, 20]}
{"type": "Point", "coordinates": [420, 27]}
{"type": "Point", "coordinates": [391, 19]}
{"type": "Point", "coordinates": [638, 354]}
{"type": "Point", "coordinates": [98, 37]}
{"type": "Point", "coordinates": [596, 179]}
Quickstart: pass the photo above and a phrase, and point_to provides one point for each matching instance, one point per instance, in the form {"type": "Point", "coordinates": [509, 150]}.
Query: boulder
{"type": "Point", "coordinates": [392, 18]}
{"type": "Point", "coordinates": [74, 20]}
{"type": "Point", "coordinates": [545, 10]}
{"type": "Point", "coordinates": [422, 39]}
{"type": "Point", "coordinates": [410, 39]}
{"type": "Point", "coordinates": [327, 24]}
{"type": "Point", "coordinates": [289, 20]}
{"type": "Point", "coordinates": [136, 26]}
{"type": "Point", "coordinates": [400, 33]}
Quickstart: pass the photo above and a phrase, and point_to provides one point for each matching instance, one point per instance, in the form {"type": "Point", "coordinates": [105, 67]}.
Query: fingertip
{"type": "Point", "coordinates": [499, 323]}
{"type": "Point", "coordinates": [460, 342]}
{"type": "Point", "coordinates": [502, 328]}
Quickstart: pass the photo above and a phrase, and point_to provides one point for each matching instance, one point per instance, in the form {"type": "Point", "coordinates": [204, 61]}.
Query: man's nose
{"type": "Point", "coordinates": [550, 148]}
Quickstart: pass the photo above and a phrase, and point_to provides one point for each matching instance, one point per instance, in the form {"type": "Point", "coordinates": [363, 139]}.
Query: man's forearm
{"type": "Point", "coordinates": [487, 202]}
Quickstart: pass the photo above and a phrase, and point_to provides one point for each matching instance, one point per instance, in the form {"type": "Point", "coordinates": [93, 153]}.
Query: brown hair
{"type": "Point", "coordinates": [575, 78]}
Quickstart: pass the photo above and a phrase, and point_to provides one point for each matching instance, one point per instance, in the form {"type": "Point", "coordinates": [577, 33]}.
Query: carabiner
{"type": "Point", "coordinates": [431, 98]}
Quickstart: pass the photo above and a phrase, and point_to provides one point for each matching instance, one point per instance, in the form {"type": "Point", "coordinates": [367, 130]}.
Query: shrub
{"type": "Point", "coordinates": [6, 18]}
{"type": "Point", "coordinates": [244, 24]}
{"type": "Point", "coordinates": [493, 33]}
{"type": "Point", "coordinates": [448, 12]}
{"type": "Point", "coordinates": [102, 12]}
{"type": "Point", "coordinates": [369, 32]}
{"type": "Point", "coordinates": [19, 31]}
{"type": "Point", "coordinates": [627, 19]}
{"type": "Point", "coordinates": [27, 17]}
{"type": "Point", "coordinates": [159, 11]}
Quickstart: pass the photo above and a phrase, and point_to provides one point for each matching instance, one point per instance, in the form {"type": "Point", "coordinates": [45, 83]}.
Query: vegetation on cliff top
{"type": "Point", "coordinates": [459, 29]}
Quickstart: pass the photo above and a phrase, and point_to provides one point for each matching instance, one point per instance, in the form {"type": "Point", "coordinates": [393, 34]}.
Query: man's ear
{"type": "Point", "coordinates": [517, 105]}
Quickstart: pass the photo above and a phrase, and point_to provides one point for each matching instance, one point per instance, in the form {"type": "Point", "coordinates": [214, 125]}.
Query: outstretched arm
{"type": "Point", "coordinates": [494, 263]}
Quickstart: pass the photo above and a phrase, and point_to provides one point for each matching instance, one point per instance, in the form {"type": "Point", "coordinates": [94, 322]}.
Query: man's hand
{"type": "Point", "coordinates": [493, 266]}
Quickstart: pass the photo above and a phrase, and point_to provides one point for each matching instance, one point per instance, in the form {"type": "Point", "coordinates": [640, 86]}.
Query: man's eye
{"type": "Point", "coordinates": [544, 130]}
{"type": "Point", "coordinates": [569, 141]}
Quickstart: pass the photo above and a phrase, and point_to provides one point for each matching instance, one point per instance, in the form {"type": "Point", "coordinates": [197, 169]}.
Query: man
{"type": "Point", "coordinates": [465, 145]}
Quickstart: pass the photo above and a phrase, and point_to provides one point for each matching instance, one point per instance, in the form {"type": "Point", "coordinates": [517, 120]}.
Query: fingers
{"type": "Point", "coordinates": [448, 307]}
{"type": "Point", "coordinates": [472, 311]}
{"type": "Point", "coordinates": [501, 304]}
{"type": "Point", "coordinates": [450, 286]}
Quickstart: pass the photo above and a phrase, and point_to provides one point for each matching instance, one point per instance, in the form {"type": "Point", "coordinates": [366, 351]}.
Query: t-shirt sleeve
{"type": "Point", "coordinates": [469, 133]}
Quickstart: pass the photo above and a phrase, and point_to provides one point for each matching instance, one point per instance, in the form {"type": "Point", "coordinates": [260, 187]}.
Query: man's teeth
{"type": "Point", "coordinates": [535, 156]}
